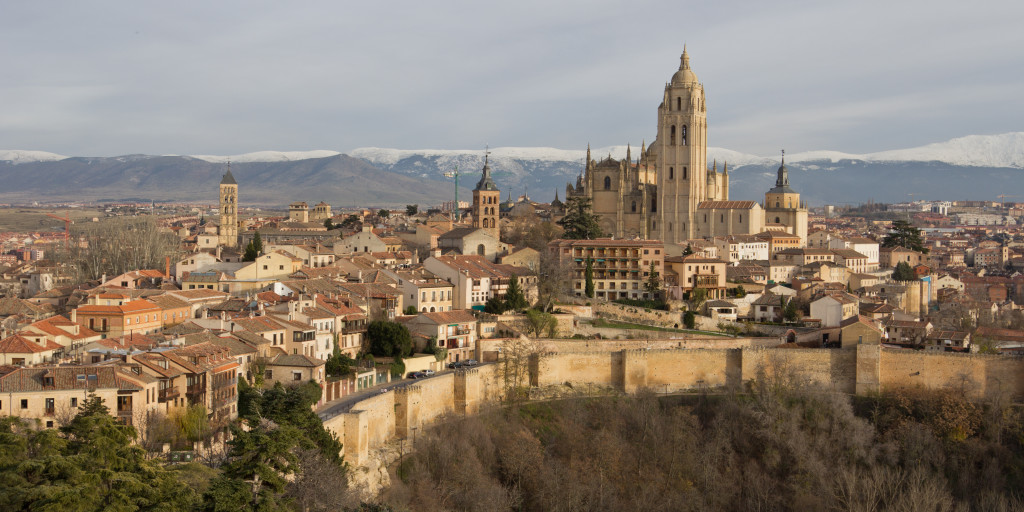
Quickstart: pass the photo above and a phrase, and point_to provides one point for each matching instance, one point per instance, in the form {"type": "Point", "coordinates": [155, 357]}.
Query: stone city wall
{"type": "Point", "coordinates": [372, 422]}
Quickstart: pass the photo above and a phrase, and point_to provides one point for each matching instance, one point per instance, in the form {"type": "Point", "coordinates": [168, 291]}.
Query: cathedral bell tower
{"type": "Point", "coordinates": [228, 230]}
{"type": "Point", "coordinates": [680, 153]}
{"type": "Point", "coordinates": [486, 201]}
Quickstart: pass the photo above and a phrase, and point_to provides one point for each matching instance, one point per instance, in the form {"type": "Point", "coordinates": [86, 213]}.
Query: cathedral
{"type": "Point", "coordinates": [669, 193]}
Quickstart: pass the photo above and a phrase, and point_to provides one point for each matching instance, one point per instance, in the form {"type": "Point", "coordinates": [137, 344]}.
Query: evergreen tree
{"type": "Point", "coordinates": [740, 292]}
{"type": "Point", "coordinates": [579, 222]}
{"type": "Point", "coordinates": [514, 298]}
{"type": "Point", "coordinates": [904, 234]}
{"type": "Point", "coordinates": [412, 209]}
{"type": "Point", "coordinates": [495, 306]}
{"type": "Point", "coordinates": [255, 477]}
{"type": "Point", "coordinates": [689, 320]}
{"type": "Point", "coordinates": [388, 339]}
{"type": "Point", "coordinates": [382, 213]}
{"type": "Point", "coordinates": [329, 224]}
{"type": "Point", "coordinates": [254, 248]}
{"type": "Point", "coordinates": [790, 312]}
{"type": "Point", "coordinates": [903, 272]}
{"type": "Point", "coordinates": [688, 251]}
{"type": "Point", "coordinates": [589, 275]}
{"type": "Point", "coordinates": [653, 283]}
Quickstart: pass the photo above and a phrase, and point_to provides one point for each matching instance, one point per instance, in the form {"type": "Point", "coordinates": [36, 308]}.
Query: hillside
{"type": "Point", "coordinates": [972, 167]}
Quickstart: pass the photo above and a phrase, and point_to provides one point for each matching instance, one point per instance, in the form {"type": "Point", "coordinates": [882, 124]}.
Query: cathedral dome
{"type": "Point", "coordinates": [685, 75]}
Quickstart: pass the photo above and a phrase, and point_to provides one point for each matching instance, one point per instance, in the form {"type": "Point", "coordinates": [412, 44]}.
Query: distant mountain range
{"type": "Point", "coordinates": [973, 167]}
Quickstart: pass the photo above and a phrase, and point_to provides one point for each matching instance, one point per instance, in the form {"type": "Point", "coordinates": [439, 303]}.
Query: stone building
{"type": "Point", "coordinates": [486, 200]}
{"type": "Point", "coordinates": [669, 193]}
{"type": "Point", "coordinates": [228, 230]}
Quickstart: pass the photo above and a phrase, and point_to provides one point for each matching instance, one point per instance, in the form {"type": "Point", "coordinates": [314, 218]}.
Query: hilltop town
{"type": "Point", "coordinates": [161, 309]}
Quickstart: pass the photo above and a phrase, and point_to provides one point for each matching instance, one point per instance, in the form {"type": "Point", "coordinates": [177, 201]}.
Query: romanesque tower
{"type": "Point", "coordinates": [680, 156]}
{"type": "Point", "coordinates": [228, 231]}
{"type": "Point", "coordinates": [486, 198]}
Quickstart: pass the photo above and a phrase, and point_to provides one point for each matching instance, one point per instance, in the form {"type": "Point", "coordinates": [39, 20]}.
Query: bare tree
{"type": "Point", "coordinates": [116, 246]}
{"type": "Point", "coordinates": [514, 366]}
{"type": "Point", "coordinates": [554, 281]}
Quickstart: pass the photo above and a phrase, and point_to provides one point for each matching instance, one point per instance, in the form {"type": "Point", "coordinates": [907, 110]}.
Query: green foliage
{"type": "Point", "coordinates": [539, 322]}
{"type": "Point", "coordinates": [589, 276]}
{"type": "Point", "coordinates": [903, 272]}
{"type": "Point", "coordinates": [91, 464]}
{"type": "Point", "coordinates": [255, 476]}
{"type": "Point", "coordinates": [388, 339]}
{"type": "Point", "coordinates": [410, 310]}
{"type": "Point", "coordinates": [688, 251]}
{"type": "Point", "coordinates": [412, 209]}
{"type": "Point", "coordinates": [382, 213]}
{"type": "Point", "coordinates": [689, 319]}
{"type": "Point", "coordinates": [644, 303]}
{"type": "Point", "coordinates": [339, 364]}
{"type": "Point", "coordinates": [398, 367]}
{"type": "Point", "coordinates": [740, 292]}
{"type": "Point", "coordinates": [790, 313]}
{"type": "Point", "coordinates": [579, 222]}
{"type": "Point", "coordinates": [904, 234]}
{"type": "Point", "coordinates": [653, 283]}
{"type": "Point", "coordinates": [192, 423]}
{"type": "Point", "coordinates": [698, 296]}
{"type": "Point", "coordinates": [514, 298]}
{"type": "Point", "coordinates": [293, 406]}
{"type": "Point", "coordinates": [254, 248]}
{"type": "Point", "coordinates": [495, 305]}
{"type": "Point", "coordinates": [351, 221]}
{"type": "Point", "coordinates": [329, 224]}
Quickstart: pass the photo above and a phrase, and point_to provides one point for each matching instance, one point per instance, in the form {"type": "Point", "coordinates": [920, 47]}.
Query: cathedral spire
{"type": "Point", "coordinates": [725, 167]}
{"type": "Point", "coordinates": [783, 178]}
{"type": "Point", "coordinates": [715, 168]}
{"type": "Point", "coordinates": [629, 159]}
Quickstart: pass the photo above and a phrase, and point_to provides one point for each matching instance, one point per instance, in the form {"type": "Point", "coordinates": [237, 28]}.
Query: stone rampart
{"type": "Point", "coordinates": [372, 422]}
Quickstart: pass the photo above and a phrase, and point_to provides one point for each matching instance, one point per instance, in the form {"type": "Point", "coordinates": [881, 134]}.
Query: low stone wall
{"type": "Point", "coordinates": [638, 315]}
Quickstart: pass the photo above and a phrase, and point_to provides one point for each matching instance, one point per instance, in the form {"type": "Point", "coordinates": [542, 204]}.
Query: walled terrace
{"type": "Point", "coordinates": [371, 423]}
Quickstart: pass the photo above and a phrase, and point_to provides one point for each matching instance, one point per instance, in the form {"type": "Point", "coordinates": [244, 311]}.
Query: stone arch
{"type": "Point", "coordinates": [481, 250]}
{"type": "Point", "coordinates": [607, 182]}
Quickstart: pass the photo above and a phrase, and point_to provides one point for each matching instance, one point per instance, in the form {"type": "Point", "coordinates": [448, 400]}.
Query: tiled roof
{"type": "Point", "coordinates": [726, 205]}
{"type": "Point", "coordinates": [17, 344]}
{"type": "Point", "coordinates": [450, 317]}
{"type": "Point", "coordinates": [297, 360]}
{"type": "Point", "coordinates": [65, 378]}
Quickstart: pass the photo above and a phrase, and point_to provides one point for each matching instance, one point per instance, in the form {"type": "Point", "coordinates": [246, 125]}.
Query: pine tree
{"type": "Point", "coordinates": [903, 272]}
{"type": "Point", "coordinates": [688, 251]}
{"type": "Point", "coordinates": [589, 275]}
{"type": "Point", "coordinates": [904, 234]}
{"type": "Point", "coordinates": [579, 222]}
{"type": "Point", "coordinates": [653, 283]}
{"type": "Point", "coordinates": [254, 248]}
{"type": "Point", "coordinates": [514, 298]}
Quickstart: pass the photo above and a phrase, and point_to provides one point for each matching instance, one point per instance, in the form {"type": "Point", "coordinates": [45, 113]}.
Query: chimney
{"type": "Point", "coordinates": [167, 265]}
{"type": "Point", "coordinates": [218, 252]}
{"type": "Point", "coordinates": [103, 278]}
{"type": "Point", "coordinates": [74, 315]}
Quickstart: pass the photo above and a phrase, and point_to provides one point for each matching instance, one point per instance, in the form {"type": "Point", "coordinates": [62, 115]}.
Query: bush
{"type": "Point", "coordinates": [647, 304]}
{"type": "Point", "coordinates": [398, 368]}
{"type": "Point", "coordinates": [388, 339]}
{"type": "Point", "coordinates": [689, 320]}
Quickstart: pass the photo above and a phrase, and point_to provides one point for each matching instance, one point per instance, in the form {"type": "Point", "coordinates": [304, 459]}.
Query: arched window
{"type": "Point", "coordinates": [480, 250]}
{"type": "Point", "coordinates": [679, 103]}
{"type": "Point", "coordinates": [776, 204]}
{"type": "Point", "coordinates": [431, 309]}
{"type": "Point", "coordinates": [741, 218]}
{"type": "Point", "coordinates": [721, 218]}
{"type": "Point", "coordinates": [777, 220]}
{"type": "Point", "coordinates": [683, 138]}
{"type": "Point", "coordinates": [671, 173]}
{"type": "Point", "coordinates": [670, 226]}
{"type": "Point", "coordinates": [672, 137]}
{"type": "Point", "coordinates": [684, 173]}
{"type": "Point", "coordinates": [607, 182]}
{"type": "Point", "coordinates": [633, 208]}
{"type": "Point", "coordinates": [705, 218]}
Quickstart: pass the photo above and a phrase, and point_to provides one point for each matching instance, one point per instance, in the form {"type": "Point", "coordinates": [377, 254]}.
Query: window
{"type": "Point", "coordinates": [671, 173]}
{"type": "Point", "coordinates": [24, 403]}
{"type": "Point", "coordinates": [684, 173]}
{"type": "Point", "coordinates": [607, 182]}
{"type": "Point", "coordinates": [269, 374]}
{"type": "Point", "coordinates": [672, 137]}
{"type": "Point", "coordinates": [296, 375]}
{"type": "Point", "coordinates": [74, 401]}
{"type": "Point", "coordinates": [265, 267]}
{"type": "Point", "coordinates": [683, 138]}
{"type": "Point", "coordinates": [633, 207]}
{"type": "Point", "coordinates": [741, 218]}
{"type": "Point", "coordinates": [679, 103]}
{"type": "Point", "coordinates": [721, 218]}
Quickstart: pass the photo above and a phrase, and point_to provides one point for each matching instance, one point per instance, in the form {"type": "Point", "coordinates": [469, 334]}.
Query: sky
{"type": "Point", "coordinates": [105, 78]}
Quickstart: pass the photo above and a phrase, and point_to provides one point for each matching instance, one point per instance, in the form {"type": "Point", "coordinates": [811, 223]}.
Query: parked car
{"type": "Point", "coordinates": [415, 375]}
{"type": "Point", "coordinates": [455, 365]}
{"type": "Point", "coordinates": [428, 373]}
{"type": "Point", "coordinates": [470, 362]}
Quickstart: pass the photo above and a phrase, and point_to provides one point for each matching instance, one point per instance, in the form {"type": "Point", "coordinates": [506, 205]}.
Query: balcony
{"type": "Point", "coordinates": [219, 384]}
{"type": "Point", "coordinates": [168, 394]}
{"type": "Point", "coordinates": [195, 389]}
{"type": "Point", "coordinates": [124, 412]}
{"type": "Point", "coordinates": [49, 411]}
{"type": "Point", "coordinates": [355, 329]}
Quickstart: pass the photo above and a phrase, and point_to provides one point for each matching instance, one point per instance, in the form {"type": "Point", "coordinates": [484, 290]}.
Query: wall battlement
{"type": "Point", "coordinates": [859, 370]}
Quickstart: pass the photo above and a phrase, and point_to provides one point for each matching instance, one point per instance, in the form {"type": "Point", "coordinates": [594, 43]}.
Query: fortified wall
{"type": "Point", "coordinates": [371, 423]}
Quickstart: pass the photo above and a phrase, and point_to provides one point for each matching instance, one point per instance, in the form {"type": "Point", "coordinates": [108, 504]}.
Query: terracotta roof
{"type": "Point", "coordinates": [135, 306]}
{"type": "Point", "coordinates": [17, 344]}
{"type": "Point", "coordinates": [66, 377]}
{"type": "Point", "coordinates": [450, 317]}
{"type": "Point", "coordinates": [297, 360]}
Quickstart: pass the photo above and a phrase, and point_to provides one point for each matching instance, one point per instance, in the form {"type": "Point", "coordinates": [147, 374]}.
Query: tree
{"type": "Point", "coordinates": [329, 224]}
{"type": "Point", "coordinates": [495, 306]}
{"type": "Point", "coordinates": [254, 248]}
{"type": "Point", "coordinates": [904, 234]}
{"type": "Point", "coordinates": [388, 339]}
{"type": "Point", "coordinates": [539, 321]}
{"type": "Point", "coordinates": [740, 291]}
{"type": "Point", "coordinates": [689, 319]}
{"type": "Point", "coordinates": [412, 209]}
{"type": "Point", "coordinates": [554, 279]}
{"type": "Point", "coordinates": [903, 272]}
{"type": "Point", "coordinates": [589, 276]}
{"type": "Point", "coordinates": [118, 245]}
{"type": "Point", "coordinates": [789, 311]}
{"type": "Point", "coordinates": [514, 298]}
{"type": "Point", "coordinates": [653, 283]}
{"type": "Point", "coordinates": [338, 364]}
{"type": "Point", "coordinates": [256, 475]}
{"type": "Point", "coordinates": [382, 213]}
{"type": "Point", "coordinates": [698, 296]}
{"type": "Point", "coordinates": [351, 221]}
{"type": "Point", "coordinates": [579, 222]}
{"type": "Point", "coordinates": [688, 251]}
{"type": "Point", "coordinates": [410, 310]}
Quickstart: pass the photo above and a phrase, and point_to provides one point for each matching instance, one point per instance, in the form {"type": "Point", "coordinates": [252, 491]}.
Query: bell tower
{"type": "Point", "coordinates": [228, 231]}
{"type": "Point", "coordinates": [486, 200]}
{"type": "Point", "coordinates": [680, 153]}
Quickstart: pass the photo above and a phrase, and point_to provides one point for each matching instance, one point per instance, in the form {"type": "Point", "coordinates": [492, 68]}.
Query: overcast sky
{"type": "Point", "coordinates": [107, 78]}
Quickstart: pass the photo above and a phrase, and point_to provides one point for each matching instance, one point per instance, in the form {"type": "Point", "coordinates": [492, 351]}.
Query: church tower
{"type": "Point", "coordinates": [680, 156]}
{"type": "Point", "coordinates": [228, 231]}
{"type": "Point", "coordinates": [782, 206]}
{"type": "Point", "coordinates": [486, 200]}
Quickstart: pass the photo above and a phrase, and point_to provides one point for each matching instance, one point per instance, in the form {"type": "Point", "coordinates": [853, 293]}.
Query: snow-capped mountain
{"type": "Point", "coordinates": [976, 167]}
